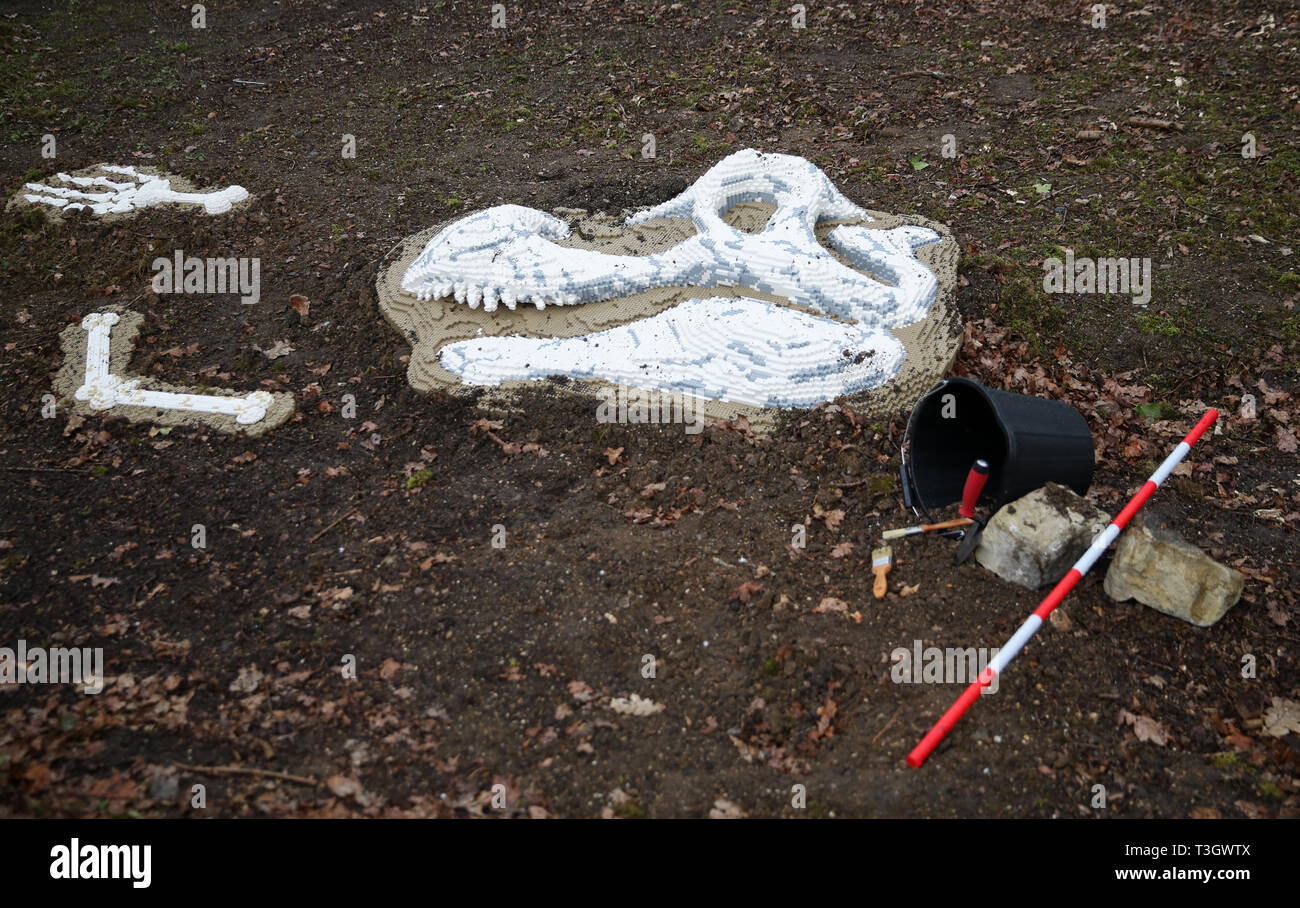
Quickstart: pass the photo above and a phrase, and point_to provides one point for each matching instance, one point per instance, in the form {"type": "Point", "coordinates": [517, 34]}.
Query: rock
{"type": "Point", "coordinates": [1060, 620]}
{"type": "Point", "coordinates": [164, 787]}
{"type": "Point", "coordinates": [1157, 567]}
{"type": "Point", "coordinates": [1034, 540]}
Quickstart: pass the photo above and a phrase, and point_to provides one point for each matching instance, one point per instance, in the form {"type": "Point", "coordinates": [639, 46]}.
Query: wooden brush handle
{"type": "Point", "coordinates": [949, 524]}
{"type": "Point", "coordinates": [925, 528]}
{"type": "Point", "coordinates": [881, 584]}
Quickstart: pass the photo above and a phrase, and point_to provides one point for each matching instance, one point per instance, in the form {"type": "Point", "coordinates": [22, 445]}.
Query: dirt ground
{"type": "Point", "coordinates": [371, 538]}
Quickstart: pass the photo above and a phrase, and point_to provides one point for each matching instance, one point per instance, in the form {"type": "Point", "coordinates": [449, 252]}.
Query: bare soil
{"type": "Point", "coordinates": [331, 539]}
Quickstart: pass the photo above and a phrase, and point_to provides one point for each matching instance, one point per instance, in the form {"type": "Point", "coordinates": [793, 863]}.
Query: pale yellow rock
{"type": "Point", "coordinates": [1157, 567]}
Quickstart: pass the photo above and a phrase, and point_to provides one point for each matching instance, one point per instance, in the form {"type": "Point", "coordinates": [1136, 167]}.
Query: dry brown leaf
{"type": "Point", "coordinates": [247, 681]}
{"type": "Point", "coordinates": [581, 691]}
{"type": "Point", "coordinates": [652, 489]}
{"type": "Point", "coordinates": [343, 786]}
{"type": "Point", "coordinates": [833, 517]}
{"type": "Point", "coordinates": [1282, 718]}
{"type": "Point", "coordinates": [725, 810]}
{"type": "Point", "coordinates": [278, 349]}
{"type": "Point", "coordinates": [1146, 728]}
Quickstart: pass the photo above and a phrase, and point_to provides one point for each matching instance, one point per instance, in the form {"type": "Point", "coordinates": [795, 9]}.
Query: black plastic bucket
{"type": "Point", "coordinates": [1028, 442]}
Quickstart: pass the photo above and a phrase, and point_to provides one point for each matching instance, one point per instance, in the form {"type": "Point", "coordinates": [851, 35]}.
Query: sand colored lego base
{"type": "Point", "coordinates": [121, 344]}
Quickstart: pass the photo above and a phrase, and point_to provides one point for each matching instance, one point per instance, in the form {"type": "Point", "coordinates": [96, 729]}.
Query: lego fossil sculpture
{"type": "Point", "coordinates": [760, 286]}
{"type": "Point", "coordinates": [107, 189]}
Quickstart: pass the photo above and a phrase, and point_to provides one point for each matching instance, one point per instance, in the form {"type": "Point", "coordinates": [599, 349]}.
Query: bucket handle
{"type": "Point", "coordinates": [911, 493]}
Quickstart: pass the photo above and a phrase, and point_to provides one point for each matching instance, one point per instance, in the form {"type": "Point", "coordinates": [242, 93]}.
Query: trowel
{"type": "Point", "coordinates": [975, 479]}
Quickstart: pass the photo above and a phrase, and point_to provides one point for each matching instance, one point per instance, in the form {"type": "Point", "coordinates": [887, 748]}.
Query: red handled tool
{"type": "Point", "coordinates": [975, 479]}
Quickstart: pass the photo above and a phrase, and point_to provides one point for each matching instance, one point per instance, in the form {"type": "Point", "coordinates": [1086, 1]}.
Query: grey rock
{"type": "Point", "coordinates": [1034, 540]}
{"type": "Point", "coordinates": [164, 787]}
{"type": "Point", "coordinates": [1157, 567]}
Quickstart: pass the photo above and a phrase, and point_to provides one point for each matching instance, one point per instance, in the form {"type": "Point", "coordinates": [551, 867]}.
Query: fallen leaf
{"type": "Point", "coordinates": [1146, 728]}
{"type": "Point", "coordinates": [300, 304]}
{"type": "Point", "coordinates": [833, 517]}
{"type": "Point", "coordinates": [343, 786]}
{"type": "Point", "coordinates": [725, 810]}
{"type": "Point", "coordinates": [247, 681]}
{"type": "Point", "coordinates": [1282, 718]}
{"type": "Point", "coordinates": [1252, 810]}
{"type": "Point", "coordinates": [278, 349]}
{"type": "Point", "coordinates": [635, 706]}
{"type": "Point", "coordinates": [581, 691]}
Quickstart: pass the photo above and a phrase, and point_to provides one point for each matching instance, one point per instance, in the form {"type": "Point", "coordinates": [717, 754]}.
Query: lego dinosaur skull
{"type": "Point", "coordinates": [831, 334]}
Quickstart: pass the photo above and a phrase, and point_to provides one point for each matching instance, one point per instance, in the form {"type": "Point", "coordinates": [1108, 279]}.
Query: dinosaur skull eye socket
{"type": "Point", "coordinates": [748, 212]}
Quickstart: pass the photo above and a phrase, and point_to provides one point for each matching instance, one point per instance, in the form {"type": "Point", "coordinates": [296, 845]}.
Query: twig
{"type": "Point", "coordinates": [1148, 123]}
{"type": "Point", "coordinates": [334, 524]}
{"type": "Point", "coordinates": [932, 73]}
{"type": "Point", "coordinates": [245, 771]}
{"type": "Point", "coordinates": [42, 470]}
{"type": "Point", "coordinates": [887, 724]}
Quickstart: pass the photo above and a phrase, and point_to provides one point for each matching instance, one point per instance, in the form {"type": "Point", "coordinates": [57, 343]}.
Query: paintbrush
{"type": "Point", "coordinates": [925, 528]}
{"type": "Point", "coordinates": [881, 560]}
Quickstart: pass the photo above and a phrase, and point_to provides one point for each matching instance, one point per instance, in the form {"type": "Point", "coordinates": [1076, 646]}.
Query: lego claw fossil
{"type": "Point", "coordinates": [102, 195]}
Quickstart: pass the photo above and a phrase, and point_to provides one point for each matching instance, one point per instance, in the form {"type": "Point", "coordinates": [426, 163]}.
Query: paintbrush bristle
{"type": "Point", "coordinates": [882, 556]}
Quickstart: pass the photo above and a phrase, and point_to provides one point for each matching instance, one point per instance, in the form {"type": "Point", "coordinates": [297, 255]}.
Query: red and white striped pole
{"type": "Point", "coordinates": [1035, 621]}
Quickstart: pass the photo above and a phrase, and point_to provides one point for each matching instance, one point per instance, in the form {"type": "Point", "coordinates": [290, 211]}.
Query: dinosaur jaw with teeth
{"type": "Point", "coordinates": [508, 254]}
